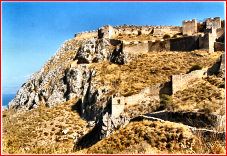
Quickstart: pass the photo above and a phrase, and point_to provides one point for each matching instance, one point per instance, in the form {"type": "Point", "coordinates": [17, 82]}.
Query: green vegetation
{"type": "Point", "coordinates": [195, 67]}
{"type": "Point", "coordinates": [166, 36]}
{"type": "Point", "coordinates": [165, 99]}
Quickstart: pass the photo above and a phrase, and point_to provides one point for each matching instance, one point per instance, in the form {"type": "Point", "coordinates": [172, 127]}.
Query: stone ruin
{"type": "Point", "coordinates": [114, 116]}
{"type": "Point", "coordinates": [213, 23]}
{"type": "Point", "coordinates": [189, 27]}
{"type": "Point", "coordinates": [207, 35]}
{"type": "Point", "coordinates": [195, 36]}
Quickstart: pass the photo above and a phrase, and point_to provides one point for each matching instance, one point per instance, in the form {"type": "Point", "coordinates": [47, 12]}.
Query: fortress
{"type": "Point", "coordinates": [101, 80]}
{"type": "Point", "coordinates": [207, 35]}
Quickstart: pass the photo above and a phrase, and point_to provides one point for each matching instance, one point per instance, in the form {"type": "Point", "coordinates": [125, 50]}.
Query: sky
{"type": "Point", "coordinates": [31, 32]}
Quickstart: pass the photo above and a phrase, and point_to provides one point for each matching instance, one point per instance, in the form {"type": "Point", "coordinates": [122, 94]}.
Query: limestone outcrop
{"type": "Point", "coordinates": [69, 74]}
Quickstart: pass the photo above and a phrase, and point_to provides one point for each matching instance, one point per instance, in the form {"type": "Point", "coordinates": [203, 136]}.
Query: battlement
{"type": "Point", "coordinates": [189, 27]}
{"type": "Point", "coordinates": [189, 21]}
{"type": "Point", "coordinates": [213, 23]}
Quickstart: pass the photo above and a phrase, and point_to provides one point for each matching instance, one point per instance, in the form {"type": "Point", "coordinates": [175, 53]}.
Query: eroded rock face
{"type": "Point", "coordinates": [46, 85]}
{"type": "Point", "coordinates": [58, 80]}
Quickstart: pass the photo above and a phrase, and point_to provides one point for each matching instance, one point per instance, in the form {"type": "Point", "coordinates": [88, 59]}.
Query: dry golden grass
{"type": "Point", "coordinates": [150, 69]}
{"type": "Point", "coordinates": [154, 137]}
{"type": "Point", "coordinates": [202, 95]}
{"type": "Point", "coordinates": [139, 109]}
{"type": "Point", "coordinates": [40, 130]}
{"type": "Point", "coordinates": [162, 136]}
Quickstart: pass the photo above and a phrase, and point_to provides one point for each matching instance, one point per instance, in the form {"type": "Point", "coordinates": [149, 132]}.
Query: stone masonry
{"type": "Point", "coordinates": [213, 23]}
{"type": "Point", "coordinates": [189, 27]}
{"type": "Point", "coordinates": [181, 81]}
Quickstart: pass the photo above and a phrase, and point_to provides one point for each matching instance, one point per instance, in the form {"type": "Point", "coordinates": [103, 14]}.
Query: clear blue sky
{"type": "Point", "coordinates": [33, 31]}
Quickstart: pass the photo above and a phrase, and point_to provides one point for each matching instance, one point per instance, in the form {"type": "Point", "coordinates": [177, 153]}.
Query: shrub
{"type": "Point", "coordinates": [195, 67]}
{"type": "Point", "coordinates": [166, 36]}
{"type": "Point", "coordinates": [175, 36]}
{"type": "Point", "coordinates": [165, 99]}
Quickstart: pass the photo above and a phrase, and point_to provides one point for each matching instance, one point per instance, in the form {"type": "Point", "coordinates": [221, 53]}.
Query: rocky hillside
{"type": "Point", "coordinates": [65, 105]}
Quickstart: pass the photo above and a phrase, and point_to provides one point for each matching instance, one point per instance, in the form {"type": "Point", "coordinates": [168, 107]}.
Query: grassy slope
{"type": "Point", "coordinates": [159, 136]}
{"type": "Point", "coordinates": [207, 95]}
{"type": "Point", "coordinates": [150, 69]}
{"type": "Point", "coordinates": [40, 130]}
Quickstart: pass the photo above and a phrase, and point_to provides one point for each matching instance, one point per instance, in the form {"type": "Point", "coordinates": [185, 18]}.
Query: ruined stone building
{"type": "Point", "coordinates": [208, 35]}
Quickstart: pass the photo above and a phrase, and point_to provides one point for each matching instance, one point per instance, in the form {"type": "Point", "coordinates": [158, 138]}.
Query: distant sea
{"type": "Point", "coordinates": [6, 98]}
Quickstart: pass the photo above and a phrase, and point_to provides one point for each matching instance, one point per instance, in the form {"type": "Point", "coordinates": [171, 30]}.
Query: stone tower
{"type": "Point", "coordinates": [189, 27]}
{"type": "Point", "coordinates": [105, 31]}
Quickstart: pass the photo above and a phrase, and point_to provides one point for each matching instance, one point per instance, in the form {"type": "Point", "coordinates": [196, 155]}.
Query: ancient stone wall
{"type": "Point", "coordinates": [188, 43]}
{"type": "Point", "coordinates": [162, 30]}
{"type": "Point", "coordinates": [213, 23]}
{"type": "Point", "coordinates": [159, 31]}
{"type": "Point", "coordinates": [223, 23]}
{"type": "Point", "coordinates": [119, 103]}
{"type": "Point", "coordinates": [189, 27]}
{"type": "Point", "coordinates": [141, 30]}
{"type": "Point", "coordinates": [88, 34]}
{"type": "Point", "coordinates": [222, 65]}
{"type": "Point", "coordinates": [135, 47]}
{"type": "Point", "coordinates": [118, 106]}
{"type": "Point", "coordinates": [133, 29]}
{"type": "Point", "coordinates": [160, 45]}
{"type": "Point", "coordinates": [218, 46]}
{"type": "Point", "coordinates": [207, 42]}
{"type": "Point", "coordinates": [181, 81]}
{"type": "Point", "coordinates": [105, 31]}
{"type": "Point", "coordinates": [220, 32]}
{"type": "Point", "coordinates": [201, 26]}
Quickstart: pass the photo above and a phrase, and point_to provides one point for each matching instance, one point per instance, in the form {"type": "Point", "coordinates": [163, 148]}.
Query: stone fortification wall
{"type": "Point", "coordinates": [181, 81]}
{"type": "Point", "coordinates": [162, 30]}
{"type": "Point", "coordinates": [133, 29]}
{"type": "Point", "coordinates": [201, 26]}
{"type": "Point", "coordinates": [207, 42]}
{"type": "Point", "coordinates": [105, 31]}
{"type": "Point", "coordinates": [188, 43]}
{"type": "Point", "coordinates": [189, 27]}
{"type": "Point", "coordinates": [208, 120]}
{"type": "Point", "coordinates": [138, 30]}
{"type": "Point", "coordinates": [213, 23]}
{"type": "Point", "coordinates": [87, 34]}
{"type": "Point", "coordinates": [160, 45]}
{"type": "Point", "coordinates": [119, 103]}
{"type": "Point", "coordinates": [135, 47]}
{"type": "Point", "coordinates": [220, 32]}
{"type": "Point", "coordinates": [218, 46]}
{"type": "Point", "coordinates": [222, 65]}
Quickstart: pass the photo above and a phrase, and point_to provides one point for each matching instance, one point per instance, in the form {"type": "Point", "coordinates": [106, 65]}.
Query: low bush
{"type": "Point", "coordinates": [165, 99]}
{"type": "Point", "coordinates": [166, 36]}
{"type": "Point", "coordinates": [195, 67]}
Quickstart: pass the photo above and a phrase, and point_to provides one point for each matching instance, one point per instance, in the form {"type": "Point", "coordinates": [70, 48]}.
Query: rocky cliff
{"type": "Point", "coordinates": [106, 78]}
{"type": "Point", "coordinates": [65, 76]}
